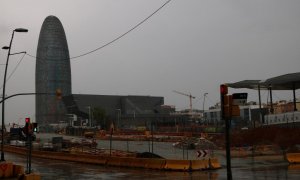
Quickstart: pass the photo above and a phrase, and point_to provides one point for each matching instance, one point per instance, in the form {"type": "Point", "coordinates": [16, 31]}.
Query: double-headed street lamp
{"type": "Point", "coordinates": [4, 83]}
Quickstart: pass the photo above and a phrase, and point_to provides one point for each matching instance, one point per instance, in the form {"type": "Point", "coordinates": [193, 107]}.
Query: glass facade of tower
{"type": "Point", "coordinates": [53, 71]}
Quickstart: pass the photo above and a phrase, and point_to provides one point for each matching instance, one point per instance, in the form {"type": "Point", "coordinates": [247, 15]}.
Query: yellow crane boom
{"type": "Point", "coordinates": [190, 97]}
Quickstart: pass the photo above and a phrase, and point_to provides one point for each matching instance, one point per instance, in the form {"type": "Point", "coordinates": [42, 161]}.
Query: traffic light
{"type": "Point", "coordinates": [58, 94]}
{"type": "Point", "coordinates": [223, 89]}
{"type": "Point", "coordinates": [225, 101]}
{"type": "Point", "coordinates": [35, 125]}
{"type": "Point", "coordinates": [27, 120]}
{"type": "Point", "coordinates": [27, 124]}
{"type": "Point", "coordinates": [228, 107]}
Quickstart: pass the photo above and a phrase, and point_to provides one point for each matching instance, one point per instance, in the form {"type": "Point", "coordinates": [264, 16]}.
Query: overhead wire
{"type": "Point", "coordinates": [198, 99]}
{"type": "Point", "coordinates": [101, 47]}
{"type": "Point", "coordinates": [16, 67]}
{"type": "Point", "coordinates": [14, 70]}
{"type": "Point", "coordinates": [119, 37]}
{"type": "Point", "coordinates": [211, 101]}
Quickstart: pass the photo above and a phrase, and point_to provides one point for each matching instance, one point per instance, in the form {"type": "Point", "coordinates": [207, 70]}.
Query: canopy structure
{"type": "Point", "coordinates": [283, 82]}
{"type": "Point", "coordinates": [248, 84]}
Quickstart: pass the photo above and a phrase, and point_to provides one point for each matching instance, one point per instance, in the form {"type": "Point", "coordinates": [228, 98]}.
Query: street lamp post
{"type": "Point", "coordinates": [4, 83]}
{"type": "Point", "coordinates": [119, 114]}
{"type": "Point", "coordinates": [204, 95]}
{"type": "Point", "coordinates": [90, 119]}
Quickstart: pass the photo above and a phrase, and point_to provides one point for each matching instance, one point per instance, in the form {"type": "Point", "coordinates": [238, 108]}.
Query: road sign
{"type": "Point", "coordinates": [239, 99]}
{"type": "Point", "coordinates": [201, 153]}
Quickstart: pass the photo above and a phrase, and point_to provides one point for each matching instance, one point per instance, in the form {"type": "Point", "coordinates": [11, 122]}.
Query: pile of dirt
{"type": "Point", "coordinates": [284, 137]}
{"type": "Point", "coordinates": [203, 143]}
{"type": "Point", "coordinates": [148, 155]}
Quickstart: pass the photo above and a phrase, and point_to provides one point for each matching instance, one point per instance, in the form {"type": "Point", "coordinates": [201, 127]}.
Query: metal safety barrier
{"type": "Point", "coordinates": [293, 157]}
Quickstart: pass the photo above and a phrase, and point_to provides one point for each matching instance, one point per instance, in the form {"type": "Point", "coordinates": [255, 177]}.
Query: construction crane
{"type": "Point", "coordinates": [188, 95]}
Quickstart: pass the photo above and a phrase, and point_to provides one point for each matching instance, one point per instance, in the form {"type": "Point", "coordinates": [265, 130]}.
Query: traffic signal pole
{"type": "Point", "coordinates": [28, 132]}
{"type": "Point", "coordinates": [224, 92]}
{"type": "Point", "coordinates": [29, 154]}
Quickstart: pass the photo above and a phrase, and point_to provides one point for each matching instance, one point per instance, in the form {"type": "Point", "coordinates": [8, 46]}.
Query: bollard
{"type": "Point", "coordinates": [6, 169]}
{"type": "Point", "coordinates": [199, 164]}
{"type": "Point", "coordinates": [214, 163]}
{"type": "Point", "coordinates": [293, 157]}
{"type": "Point", "coordinates": [182, 165]}
{"type": "Point", "coordinates": [18, 170]}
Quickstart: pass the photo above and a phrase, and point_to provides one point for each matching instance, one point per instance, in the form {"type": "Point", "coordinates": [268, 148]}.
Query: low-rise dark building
{"type": "Point", "coordinates": [124, 112]}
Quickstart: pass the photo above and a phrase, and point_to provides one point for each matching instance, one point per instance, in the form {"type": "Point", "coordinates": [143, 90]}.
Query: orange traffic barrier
{"type": "Point", "coordinates": [150, 163]}
{"type": "Point", "coordinates": [154, 163]}
{"type": "Point", "coordinates": [214, 163]}
{"type": "Point", "coordinates": [6, 169]}
{"type": "Point", "coordinates": [178, 165]}
{"type": "Point", "coordinates": [199, 164]}
{"type": "Point", "coordinates": [113, 161]}
{"type": "Point", "coordinates": [126, 162]}
{"type": "Point", "coordinates": [293, 157]}
{"type": "Point", "coordinates": [17, 170]}
{"type": "Point", "coordinates": [98, 160]}
{"type": "Point", "coordinates": [93, 159]}
{"type": "Point", "coordinates": [32, 176]}
{"type": "Point", "coordinates": [136, 162]}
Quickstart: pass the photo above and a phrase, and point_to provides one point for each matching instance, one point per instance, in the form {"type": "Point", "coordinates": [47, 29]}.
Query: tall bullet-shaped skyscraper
{"type": "Point", "coordinates": [53, 71]}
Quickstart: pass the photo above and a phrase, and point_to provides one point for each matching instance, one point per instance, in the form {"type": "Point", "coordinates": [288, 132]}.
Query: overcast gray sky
{"type": "Point", "coordinates": [191, 46]}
